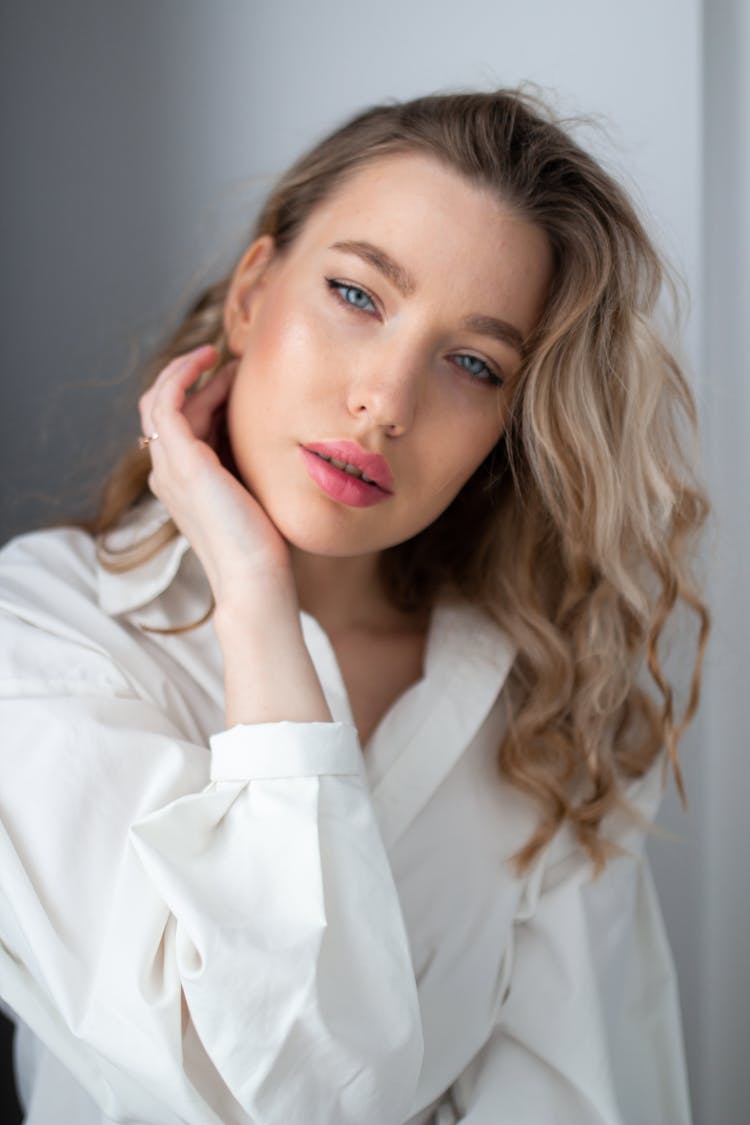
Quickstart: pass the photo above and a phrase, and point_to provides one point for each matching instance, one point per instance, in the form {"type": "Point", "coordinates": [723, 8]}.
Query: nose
{"type": "Point", "coordinates": [386, 394]}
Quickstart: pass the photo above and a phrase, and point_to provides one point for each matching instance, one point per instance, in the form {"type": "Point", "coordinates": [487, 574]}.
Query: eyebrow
{"type": "Point", "coordinates": [378, 258]}
{"type": "Point", "coordinates": [490, 326]}
{"type": "Point", "coordinates": [497, 329]}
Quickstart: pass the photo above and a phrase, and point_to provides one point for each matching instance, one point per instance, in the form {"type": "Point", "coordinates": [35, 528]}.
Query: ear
{"type": "Point", "coordinates": [242, 288]}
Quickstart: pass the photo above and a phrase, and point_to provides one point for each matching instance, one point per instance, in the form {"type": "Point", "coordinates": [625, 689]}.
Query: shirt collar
{"type": "Point", "coordinates": [421, 739]}
{"type": "Point", "coordinates": [467, 660]}
{"type": "Point", "coordinates": [123, 591]}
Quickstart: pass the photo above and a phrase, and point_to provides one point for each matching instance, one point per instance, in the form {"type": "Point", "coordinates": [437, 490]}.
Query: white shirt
{"type": "Point", "coordinates": [269, 925]}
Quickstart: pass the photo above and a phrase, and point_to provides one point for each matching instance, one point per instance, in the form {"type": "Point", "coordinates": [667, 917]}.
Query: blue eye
{"type": "Point", "coordinates": [478, 368]}
{"type": "Point", "coordinates": [352, 295]}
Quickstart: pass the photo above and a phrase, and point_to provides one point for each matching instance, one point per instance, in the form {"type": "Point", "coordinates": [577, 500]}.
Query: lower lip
{"type": "Point", "coordinates": [341, 486]}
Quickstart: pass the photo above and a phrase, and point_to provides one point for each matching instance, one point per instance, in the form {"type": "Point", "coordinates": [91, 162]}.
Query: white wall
{"type": "Point", "coordinates": [142, 134]}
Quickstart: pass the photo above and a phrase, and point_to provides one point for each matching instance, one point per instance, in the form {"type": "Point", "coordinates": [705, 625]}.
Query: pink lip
{"type": "Point", "coordinates": [371, 464]}
{"type": "Point", "coordinates": [340, 485]}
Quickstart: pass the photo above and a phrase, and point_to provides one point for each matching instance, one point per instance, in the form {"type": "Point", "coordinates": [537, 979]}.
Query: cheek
{"type": "Point", "coordinates": [285, 352]}
{"type": "Point", "coordinates": [275, 345]}
{"type": "Point", "coordinates": [270, 366]}
{"type": "Point", "coordinates": [448, 483]}
{"type": "Point", "coordinates": [458, 451]}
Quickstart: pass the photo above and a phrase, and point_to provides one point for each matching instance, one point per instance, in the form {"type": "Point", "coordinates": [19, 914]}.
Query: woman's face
{"type": "Point", "coordinates": [385, 338]}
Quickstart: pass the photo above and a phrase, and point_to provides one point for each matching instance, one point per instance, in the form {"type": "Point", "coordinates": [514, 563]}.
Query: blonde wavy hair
{"type": "Point", "coordinates": [578, 532]}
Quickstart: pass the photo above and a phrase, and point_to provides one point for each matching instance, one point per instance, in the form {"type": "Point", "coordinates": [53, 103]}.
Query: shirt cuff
{"type": "Point", "coordinates": [272, 750]}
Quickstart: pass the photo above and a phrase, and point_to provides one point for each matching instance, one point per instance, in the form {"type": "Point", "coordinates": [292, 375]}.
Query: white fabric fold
{"type": "Point", "coordinates": [263, 925]}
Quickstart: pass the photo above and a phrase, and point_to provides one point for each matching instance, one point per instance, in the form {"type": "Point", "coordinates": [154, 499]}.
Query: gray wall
{"type": "Point", "coordinates": [137, 139]}
{"type": "Point", "coordinates": [724, 303]}
{"type": "Point", "coordinates": [114, 198]}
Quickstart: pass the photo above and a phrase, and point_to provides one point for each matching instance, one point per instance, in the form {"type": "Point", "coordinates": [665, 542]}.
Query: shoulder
{"type": "Point", "coordinates": [52, 628]}
{"type": "Point", "coordinates": [67, 612]}
{"type": "Point", "coordinates": [36, 565]}
{"type": "Point", "coordinates": [58, 571]}
{"type": "Point", "coordinates": [49, 577]}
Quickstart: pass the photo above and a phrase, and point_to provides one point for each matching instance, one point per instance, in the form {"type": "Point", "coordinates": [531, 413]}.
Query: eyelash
{"type": "Point", "coordinates": [338, 288]}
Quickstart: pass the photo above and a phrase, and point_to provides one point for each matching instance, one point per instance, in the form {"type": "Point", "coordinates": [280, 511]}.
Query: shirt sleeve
{"type": "Point", "coordinates": [200, 935]}
{"type": "Point", "coordinates": [589, 1032]}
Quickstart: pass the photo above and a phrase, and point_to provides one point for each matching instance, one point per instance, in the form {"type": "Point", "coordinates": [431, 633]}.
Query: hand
{"type": "Point", "coordinates": [238, 545]}
{"type": "Point", "coordinates": [268, 673]}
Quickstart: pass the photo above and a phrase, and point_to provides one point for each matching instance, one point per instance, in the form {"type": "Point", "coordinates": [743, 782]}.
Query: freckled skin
{"type": "Point", "coordinates": [385, 371]}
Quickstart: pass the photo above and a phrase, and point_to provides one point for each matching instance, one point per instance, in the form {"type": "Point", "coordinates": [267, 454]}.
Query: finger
{"type": "Point", "coordinates": [187, 368]}
{"type": "Point", "coordinates": [174, 416]}
{"type": "Point", "coordinates": [184, 371]}
{"type": "Point", "coordinates": [173, 387]}
{"type": "Point", "coordinates": [201, 409]}
{"type": "Point", "coordinates": [186, 425]}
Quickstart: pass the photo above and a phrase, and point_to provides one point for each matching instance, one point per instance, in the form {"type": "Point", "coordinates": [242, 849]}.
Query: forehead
{"type": "Point", "coordinates": [416, 180]}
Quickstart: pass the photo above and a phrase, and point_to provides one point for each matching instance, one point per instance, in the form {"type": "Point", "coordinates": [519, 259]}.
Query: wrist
{"type": "Point", "coordinates": [252, 606]}
{"type": "Point", "coordinates": [268, 673]}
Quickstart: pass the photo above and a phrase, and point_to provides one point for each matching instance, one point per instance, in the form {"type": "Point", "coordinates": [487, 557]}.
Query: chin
{"type": "Point", "coordinates": [328, 534]}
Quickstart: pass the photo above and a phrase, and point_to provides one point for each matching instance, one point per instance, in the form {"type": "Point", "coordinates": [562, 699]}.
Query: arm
{"type": "Point", "coordinates": [202, 939]}
{"type": "Point", "coordinates": [589, 1033]}
{"type": "Point", "coordinates": [203, 948]}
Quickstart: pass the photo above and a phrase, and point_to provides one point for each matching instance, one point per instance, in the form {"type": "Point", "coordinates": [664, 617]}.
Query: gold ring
{"type": "Point", "coordinates": [143, 440]}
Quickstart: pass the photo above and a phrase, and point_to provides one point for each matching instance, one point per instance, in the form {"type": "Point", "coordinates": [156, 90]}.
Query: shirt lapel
{"type": "Point", "coordinates": [420, 740]}
{"type": "Point", "coordinates": [424, 733]}
{"type": "Point", "coordinates": [417, 743]}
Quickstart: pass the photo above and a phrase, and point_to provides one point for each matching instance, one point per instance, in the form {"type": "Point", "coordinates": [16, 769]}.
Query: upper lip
{"type": "Point", "coordinates": [371, 464]}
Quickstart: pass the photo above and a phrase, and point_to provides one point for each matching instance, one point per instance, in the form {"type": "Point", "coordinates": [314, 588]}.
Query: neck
{"type": "Point", "coordinates": [343, 594]}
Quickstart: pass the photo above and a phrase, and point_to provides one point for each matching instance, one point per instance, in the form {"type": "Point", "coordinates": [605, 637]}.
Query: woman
{"type": "Point", "coordinates": [327, 772]}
